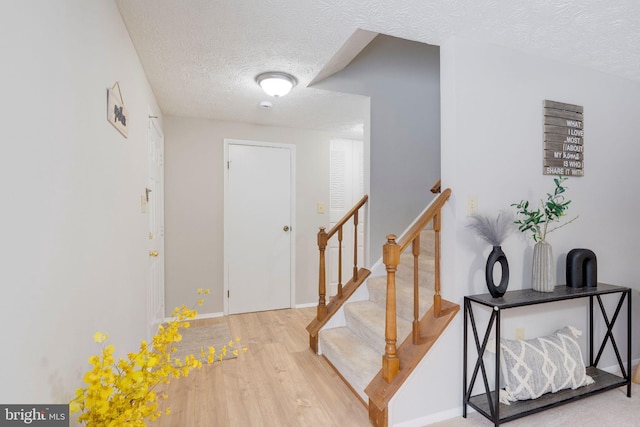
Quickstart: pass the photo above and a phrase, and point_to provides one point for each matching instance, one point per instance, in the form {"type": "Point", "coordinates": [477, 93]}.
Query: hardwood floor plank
{"type": "Point", "coordinates": [277, 382]}
{"type": "Point", "coordinates": [301, 404]}
{"type": "Point", "coordinates": [341, 401]}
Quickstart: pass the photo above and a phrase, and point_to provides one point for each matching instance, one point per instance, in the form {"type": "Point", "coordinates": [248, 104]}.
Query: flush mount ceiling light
{"type": "Point", "coordinates": [275, 83]}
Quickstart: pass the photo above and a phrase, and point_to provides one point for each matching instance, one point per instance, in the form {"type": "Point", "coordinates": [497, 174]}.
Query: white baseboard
{"type": "Point", "coordinates": [307, 305]}
{"type": "Point", "coordinates": [457, 412]}
{"type": "Point", "coordinates": [434, 418]}
{"type": "Point", "coordinates": [209, 315]}
{"type": "Point", "coordinates": [221, 314]}
{"type": "Point", "coordinates": [615, 369]}
{"type": "Point", "coordinates": [199, 316]}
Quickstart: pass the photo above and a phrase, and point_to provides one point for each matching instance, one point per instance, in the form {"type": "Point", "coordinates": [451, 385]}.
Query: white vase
{"type": "Point", "coordinates": [542, 277]}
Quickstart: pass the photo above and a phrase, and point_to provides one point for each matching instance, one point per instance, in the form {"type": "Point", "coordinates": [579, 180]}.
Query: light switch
{"type": "Point", "coordinates": [320, 207]}
{"type": "Point", "coordinates": [472, 205]}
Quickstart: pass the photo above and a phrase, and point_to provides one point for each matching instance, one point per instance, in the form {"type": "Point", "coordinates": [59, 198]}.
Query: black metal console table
{"type": "Point", "coordinates": [488, 403]}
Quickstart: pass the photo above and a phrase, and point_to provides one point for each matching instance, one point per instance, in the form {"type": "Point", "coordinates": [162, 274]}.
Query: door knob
{"type": "Point", "coordinates": [285, 228]}
{"type": "Point", "coordinates": [153, 253]}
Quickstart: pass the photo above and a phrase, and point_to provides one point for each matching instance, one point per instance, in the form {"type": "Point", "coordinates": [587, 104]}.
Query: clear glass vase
{"type": "Point", "coordinates": [542, 273]}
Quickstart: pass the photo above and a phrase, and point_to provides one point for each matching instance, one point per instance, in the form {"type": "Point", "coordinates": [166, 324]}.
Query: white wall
{"type": "Point", "coordinates": [492, 147]}
{"type": "Point", "coordinates": [195, 214]}
{"type": "Point", "coordinates": [74, 241]}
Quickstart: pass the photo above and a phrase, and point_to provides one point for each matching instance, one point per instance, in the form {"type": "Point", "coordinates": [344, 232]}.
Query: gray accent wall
{"type": "Point", "coordinates": [402, 79]}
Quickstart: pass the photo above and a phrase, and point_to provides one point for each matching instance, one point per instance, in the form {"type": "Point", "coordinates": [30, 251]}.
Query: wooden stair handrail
{"type": "Point", "coordinates": [347, 216]}
{"type": "Point", "coordinates": [424, 219]}
{"type": "Point", "coordinates": [436, 187]}
{"type": "Point", "coordinates": [326, 309]}
{"type": "Point", "coordinates": [391, 258]}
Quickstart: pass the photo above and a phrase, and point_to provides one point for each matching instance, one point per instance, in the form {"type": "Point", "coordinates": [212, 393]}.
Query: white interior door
{"type": "Point", "coordinates": [258, 226]}
{"type": "Point", "coordinates": [347, 188]}
{"type": "Point", "coordinates": [154, 202]}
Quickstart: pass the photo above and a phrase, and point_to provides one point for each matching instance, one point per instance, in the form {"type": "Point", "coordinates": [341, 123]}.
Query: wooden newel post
{"type": "Point", "coordinates": [391, 258]}
{"type": "Point", "coordinates": [322, 280]}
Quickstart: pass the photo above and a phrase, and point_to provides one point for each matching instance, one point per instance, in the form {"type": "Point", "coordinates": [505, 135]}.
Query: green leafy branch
{"type": "Point", "coordinates": [537, 220]}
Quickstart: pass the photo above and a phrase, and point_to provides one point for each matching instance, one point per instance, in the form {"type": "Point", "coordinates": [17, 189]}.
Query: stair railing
{"type": "Point", "coordinates": [344, 291]}
{"type": "Point", "coordinates": [436, 187]}
{"type": "Point", "coordinates": [323, 240]}
{"type": "Point", "coordinates": [391, 258]}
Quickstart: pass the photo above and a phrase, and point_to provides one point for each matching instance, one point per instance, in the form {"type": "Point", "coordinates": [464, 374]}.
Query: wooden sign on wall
{"type": "Point", "coordinates": [563, 139]}
{"type": "Point", "coordinates": [117, 113]}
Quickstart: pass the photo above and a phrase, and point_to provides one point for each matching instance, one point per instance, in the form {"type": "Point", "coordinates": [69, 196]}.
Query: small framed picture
{"type": "Point", "coordinates": [117, 114]}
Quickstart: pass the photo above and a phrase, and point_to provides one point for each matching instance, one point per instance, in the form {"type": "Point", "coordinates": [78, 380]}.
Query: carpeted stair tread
{"type": "Point", "coordinates": [426, 268]}
{"type": "Point", "coordinates": [377, 287]}
{"type": "Point", "coordinates": [367, 320]}
{"type": "Point", "coordinates": [356, 350]}
{"type": "Point", "coordinates": [427, 242]}
{"type": "Point", "coordinates": [356, 361]}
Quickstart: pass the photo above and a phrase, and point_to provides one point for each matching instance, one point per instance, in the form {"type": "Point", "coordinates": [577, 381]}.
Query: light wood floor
{"type": "Point", "coordinates": [277, 382]}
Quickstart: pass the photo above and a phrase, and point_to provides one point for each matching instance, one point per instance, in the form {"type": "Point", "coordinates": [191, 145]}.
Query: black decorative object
{"type": "Point", "coordinates": [582, 268]}
{"type": "Point", "coordinates": [494, 231]}
{"type": "Point", "coordinates": [497, 255]}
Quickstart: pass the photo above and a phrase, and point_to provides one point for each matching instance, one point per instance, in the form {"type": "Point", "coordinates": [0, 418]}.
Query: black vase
{"type": "Point", "coordinates": [497, 255]}
{"type": "Point", "coordinates": [582, 268]}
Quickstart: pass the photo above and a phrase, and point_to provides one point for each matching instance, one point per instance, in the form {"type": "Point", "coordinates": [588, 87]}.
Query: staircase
{"type": "Point", "coordinates": [359, 329]}
{"type": "Point", "coordinates": [356, 350]}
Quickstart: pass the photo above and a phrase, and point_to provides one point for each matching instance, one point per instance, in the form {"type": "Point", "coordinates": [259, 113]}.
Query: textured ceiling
{"type": "Point", "coordinates": [201, 56]}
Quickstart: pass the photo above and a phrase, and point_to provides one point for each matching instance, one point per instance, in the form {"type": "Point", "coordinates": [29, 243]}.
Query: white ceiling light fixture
{"type": "Point", "coordinates": [276, 83]}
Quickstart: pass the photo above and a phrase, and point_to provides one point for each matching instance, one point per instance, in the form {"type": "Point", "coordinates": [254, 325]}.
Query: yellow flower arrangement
{"type": "Point", "coordinates": [123, 393]}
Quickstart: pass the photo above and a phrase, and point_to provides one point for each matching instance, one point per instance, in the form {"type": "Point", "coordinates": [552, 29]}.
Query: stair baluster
{"type": "Point", "coordinates": [415, 326]}
{"type": "Point", "coordinates": [340, 262]}
{"type": "Point", "coordinates": [437, 299]}
{"type": "Point", "coordinates": [390, 258]}
{"type": "Point", "coordinates": [355, 245]}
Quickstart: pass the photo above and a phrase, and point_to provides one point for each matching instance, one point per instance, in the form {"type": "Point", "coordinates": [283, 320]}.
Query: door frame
{"type": "Point", "coordinates": [152, 289]}
{"type": "Point", "coordinates": [292, 190]}
{"type": "Point", "coordinates": [354, 181]}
